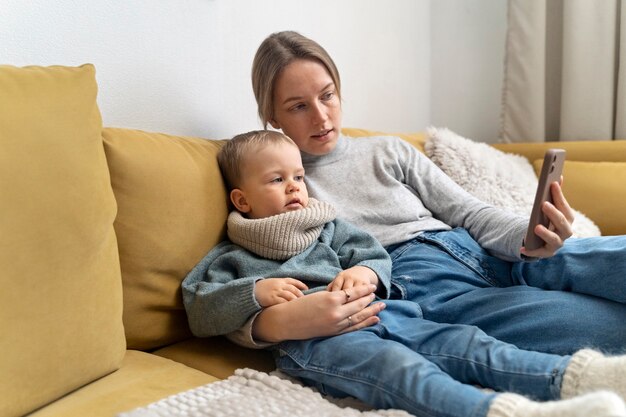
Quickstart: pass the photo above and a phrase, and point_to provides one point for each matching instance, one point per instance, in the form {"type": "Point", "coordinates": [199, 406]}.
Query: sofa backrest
{"type": "Point", "coordinates": [417, 139]}
{"type": "Point", "coordinates": [60, 285]}
{"type": "Point", "coordinates": [172, 209]}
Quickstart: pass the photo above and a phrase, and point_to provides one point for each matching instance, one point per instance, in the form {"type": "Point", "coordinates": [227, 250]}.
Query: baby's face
{"type": "Point", "coordinates": [273, 182]}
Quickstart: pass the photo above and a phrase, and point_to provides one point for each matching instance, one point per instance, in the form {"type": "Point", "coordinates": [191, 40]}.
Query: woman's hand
{"type": "Point", "coordinates": [319, 314]}
{"type": "Point", "coordinates": [352, 277]}
{"type": "Point", "coordinates": [561, 217]}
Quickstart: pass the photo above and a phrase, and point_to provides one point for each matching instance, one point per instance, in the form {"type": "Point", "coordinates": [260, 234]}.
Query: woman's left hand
{"type": "Point", "coordinates": [561, 217]}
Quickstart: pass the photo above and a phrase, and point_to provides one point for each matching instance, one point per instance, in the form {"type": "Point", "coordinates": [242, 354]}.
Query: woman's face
{"type": "Point", "coordinates": [307, 107]}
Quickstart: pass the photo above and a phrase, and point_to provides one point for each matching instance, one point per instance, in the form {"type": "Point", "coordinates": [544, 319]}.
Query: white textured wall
{"type": "Point", "coordinates": [468, 40]}
{"type": "Point", "coordinates": [182, 67]}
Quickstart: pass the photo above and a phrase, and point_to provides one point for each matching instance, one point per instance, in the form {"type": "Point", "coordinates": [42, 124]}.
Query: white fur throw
{"type": "Point", "coordinates": [503, 180]}
{"type": "Point", "coordinates": [250, 393]}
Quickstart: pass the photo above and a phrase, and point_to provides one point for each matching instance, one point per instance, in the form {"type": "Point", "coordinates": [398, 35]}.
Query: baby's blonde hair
{"type": "Point", "coordinates": [232, 157]}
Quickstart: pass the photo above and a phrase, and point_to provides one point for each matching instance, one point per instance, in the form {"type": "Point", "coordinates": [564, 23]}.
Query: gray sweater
{"type": "Point", "coordinates": [388, 188]}
{"type": "Point", "coordinates": [219, 292]}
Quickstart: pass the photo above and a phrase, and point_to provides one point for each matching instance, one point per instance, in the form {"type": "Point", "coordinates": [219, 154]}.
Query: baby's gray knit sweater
{"type": "Point", "coordinates": [388, 188]}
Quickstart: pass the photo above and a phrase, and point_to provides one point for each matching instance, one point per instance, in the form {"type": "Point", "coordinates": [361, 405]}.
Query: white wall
{"type": "Point", "coordinates": [182, 67]}
{"type": "Point", "coordinates": [468, 40]}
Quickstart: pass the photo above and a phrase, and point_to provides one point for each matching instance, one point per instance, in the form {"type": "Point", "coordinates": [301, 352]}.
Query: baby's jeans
{"type": "Point", "coordinates": [425, 368]}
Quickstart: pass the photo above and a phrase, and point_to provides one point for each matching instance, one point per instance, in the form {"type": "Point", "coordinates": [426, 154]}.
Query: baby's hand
{"type": "Point", "coordinates": [352, 277]}
{"type": "Point", "coordinates": [271, 291]}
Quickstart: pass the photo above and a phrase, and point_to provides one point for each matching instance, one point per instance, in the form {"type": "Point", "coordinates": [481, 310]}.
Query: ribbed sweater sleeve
{"type": "Point", "coordinates": [496, 230]}
{"type": "Point", "coordinates": [216, 299]}
{"type": "Point", "coordinates": [218, 293]}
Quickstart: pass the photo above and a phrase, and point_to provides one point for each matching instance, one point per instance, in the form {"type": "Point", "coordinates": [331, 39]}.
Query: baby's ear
{"type": "Point", "coordinates": [238, 198]}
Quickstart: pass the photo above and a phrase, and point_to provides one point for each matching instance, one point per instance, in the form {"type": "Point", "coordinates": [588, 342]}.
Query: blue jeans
{"type": "Point", "coordinates": [425, 368]}
{"type": "Point", "coordinates": [414, 361]}
{"type": "Point", "coordinates": [573, 300]}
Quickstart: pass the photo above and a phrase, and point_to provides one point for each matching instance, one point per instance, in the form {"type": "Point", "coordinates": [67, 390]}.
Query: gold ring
{"type": "Point", "coordinates": [349, 321]}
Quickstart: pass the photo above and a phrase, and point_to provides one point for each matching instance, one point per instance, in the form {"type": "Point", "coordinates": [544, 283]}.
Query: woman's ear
{"type": "Point", "coordinates": [238, 198]}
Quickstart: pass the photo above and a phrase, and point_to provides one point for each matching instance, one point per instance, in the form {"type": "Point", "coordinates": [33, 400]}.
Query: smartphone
{"type": "Point", "coordinates": [551, 171]}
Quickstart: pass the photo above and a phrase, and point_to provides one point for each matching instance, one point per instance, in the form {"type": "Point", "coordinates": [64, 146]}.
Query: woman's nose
{"type": "Point", "coordinates": [319, 113]}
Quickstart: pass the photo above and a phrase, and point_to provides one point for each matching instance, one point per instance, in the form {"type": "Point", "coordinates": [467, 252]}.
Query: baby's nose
{"type": "Point", "coordinates": [293, 186]}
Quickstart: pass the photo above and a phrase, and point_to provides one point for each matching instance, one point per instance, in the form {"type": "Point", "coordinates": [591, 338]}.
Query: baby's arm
{"type": "Point", "coordinates": [272, 291]}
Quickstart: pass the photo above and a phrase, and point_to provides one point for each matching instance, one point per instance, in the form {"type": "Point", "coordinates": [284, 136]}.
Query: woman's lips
{"type": "Point", "coordinates": [325, 135]}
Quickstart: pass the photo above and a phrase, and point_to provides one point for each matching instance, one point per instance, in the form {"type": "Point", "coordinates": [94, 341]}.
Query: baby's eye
{"type": "Point", "coordinates": [277, 179]}
{"type": "Point", "coordinates": [299, 177]}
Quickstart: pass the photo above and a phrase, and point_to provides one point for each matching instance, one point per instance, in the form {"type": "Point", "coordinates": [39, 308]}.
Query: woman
{"type": "Point", "coordinates": [458, 259]}
{"type": "Point", "coordinates": [298, 90]}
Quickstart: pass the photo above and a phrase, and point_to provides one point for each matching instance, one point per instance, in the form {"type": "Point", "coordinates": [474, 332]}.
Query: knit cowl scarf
{"type": "Point", "coordinates": [281, 236]}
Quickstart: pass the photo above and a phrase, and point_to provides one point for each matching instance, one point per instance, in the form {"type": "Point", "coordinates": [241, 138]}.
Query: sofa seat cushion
{"type": "Point", "coordinates": [142, 379]}
{"type": "Point", "coordinates": [172, 209]}
{"type": "Point", "coordinates": [217, 356]}
{"type": "Point", "coordinates": [61, 297]}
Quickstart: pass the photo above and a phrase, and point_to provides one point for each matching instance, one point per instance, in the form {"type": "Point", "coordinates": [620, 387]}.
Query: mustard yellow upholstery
{"type": "Point", "coordinates": [591, 188]}
{"type": "Point", "coordinates": [416, 139]}
{"type": "Point", "coordinates": [67, 256]}
{"type": "Point", "coordinates": [142, 379]}
{"type": "Point", "coordinates": [590, 151]}
{"type": "Point", "coordinates": [61, 294]}
{"type": "Point", "coordinates": [172, 209]}
{"type": "Point", "coordinates": [594, 179]}
{"type": "Point", "coordinates": [217, 356]}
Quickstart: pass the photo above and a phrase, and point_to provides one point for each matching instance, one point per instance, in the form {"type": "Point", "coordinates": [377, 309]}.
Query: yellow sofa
{"type": "Point", "coordinates": [100, 225]}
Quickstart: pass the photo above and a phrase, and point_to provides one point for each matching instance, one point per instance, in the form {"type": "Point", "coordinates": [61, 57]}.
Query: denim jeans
{"type": "Point", "coordinates": [425, 368]}
{"type": "Point", "coordinates": [448, 295]}
{"type": "Point", "coordinates": [573, 300]}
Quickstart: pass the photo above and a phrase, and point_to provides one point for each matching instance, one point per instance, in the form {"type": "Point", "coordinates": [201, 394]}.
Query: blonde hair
{"type": "Point", "coordinates": [232, 157]}
{"type": "Point", "coordinates": [276, 52]}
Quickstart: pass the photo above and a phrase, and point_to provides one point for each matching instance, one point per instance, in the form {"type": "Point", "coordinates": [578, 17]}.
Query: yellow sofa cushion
{"type": "Point", "coordinates": [591, 151]}
{"type": "Point", "coordinates": [172, 210]}
{"type": "Point", "coordinates": [61, 297]}
{"type": "Point", "coordinates": [143, 378]}
{"type": "Point", "coordinates": [417, 139]}
{"type": "Point", "coordinates": [217, 356]}
{"type": "Point", "coordinates": [597, 189]}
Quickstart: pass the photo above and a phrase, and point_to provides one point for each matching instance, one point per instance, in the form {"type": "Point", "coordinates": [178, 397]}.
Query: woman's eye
{"type": "Point", "coordinates": [297, 107]}
{"type": "Point", "coordinates": [329, 95]}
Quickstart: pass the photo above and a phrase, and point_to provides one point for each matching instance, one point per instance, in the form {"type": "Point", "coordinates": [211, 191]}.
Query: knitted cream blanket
{"type": "Point", "coordinates": [281, 236]}
{"type": "Point", "coordinates": [250, 393]}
